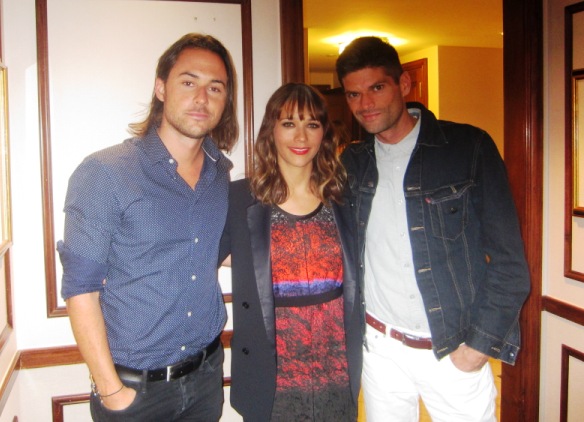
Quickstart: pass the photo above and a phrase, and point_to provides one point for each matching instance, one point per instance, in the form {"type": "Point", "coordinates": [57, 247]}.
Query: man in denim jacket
{"type": "Point", "coordinates": [440, 249]}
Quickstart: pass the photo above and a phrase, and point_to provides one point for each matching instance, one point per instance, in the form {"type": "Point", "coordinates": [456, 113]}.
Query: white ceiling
{"type": "Point", "coordinates": [423, 23]}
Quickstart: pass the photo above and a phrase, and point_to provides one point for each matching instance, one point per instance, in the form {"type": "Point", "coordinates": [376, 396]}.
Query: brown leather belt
{"type": "Point", "coordinates": [406, 339]}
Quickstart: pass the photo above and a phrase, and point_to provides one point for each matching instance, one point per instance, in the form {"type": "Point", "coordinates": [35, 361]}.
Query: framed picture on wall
{"type": "Point", "coordinates": [5, 213]}
{"type": "Point", "coordinates": [574, 141]}
{"type": "Point", "coordinates": [92, 85]}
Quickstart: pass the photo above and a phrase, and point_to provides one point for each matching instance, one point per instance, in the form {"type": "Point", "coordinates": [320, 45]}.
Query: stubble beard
{"type": "Point", "coordinates": [185, 127]}
{"type": "Point", "coordinates": [388, 119]}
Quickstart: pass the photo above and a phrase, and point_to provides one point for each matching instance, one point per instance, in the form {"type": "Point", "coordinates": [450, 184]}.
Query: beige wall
{"type": "Point", "coordinates": [29, 396]}
{"type": "Point", "coordinates": [465, 84]}
{"type": "Point", "coordinates": [471, 88]}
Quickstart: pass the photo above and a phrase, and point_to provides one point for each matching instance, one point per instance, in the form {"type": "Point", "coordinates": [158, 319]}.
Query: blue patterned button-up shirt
{"type": "Point", "coordinates": [137, 233]}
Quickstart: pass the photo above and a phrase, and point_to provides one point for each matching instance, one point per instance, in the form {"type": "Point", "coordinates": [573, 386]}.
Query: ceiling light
{"type": "Point", "coordinates": [342, 40]}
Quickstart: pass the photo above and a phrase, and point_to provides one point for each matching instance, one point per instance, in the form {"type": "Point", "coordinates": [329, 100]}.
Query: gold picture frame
{"type": "Point", "coordinates": [578, 142]}
{"type": "Point", "coordinates": [5, 203]}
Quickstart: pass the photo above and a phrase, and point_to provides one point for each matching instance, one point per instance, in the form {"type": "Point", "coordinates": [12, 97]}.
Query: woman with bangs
{"type": "Point", "coordinates": [297, 325]}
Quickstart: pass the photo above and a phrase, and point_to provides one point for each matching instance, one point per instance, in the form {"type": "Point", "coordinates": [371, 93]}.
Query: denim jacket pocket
{"type": "Point", "coordinates": [448, 209]}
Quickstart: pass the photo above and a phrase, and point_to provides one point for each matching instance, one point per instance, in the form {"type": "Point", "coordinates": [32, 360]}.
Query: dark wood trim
{"type": "Point", "coordinates": [563, 310]}
{"type": "Point", "coordinates": [7, 257]}
{"type": "Point", "coordinates": [8, 278]}
{"type": "Point", "coordinates": [59, 402]}
{"type": "Point", "coordinates": [70, 355]}
{"type": "Point", "coordinates": [53, 308]}
{"type": "Point", "coordinates": [50, 356]}
{"type": "Point", "coordinates": [412, 66]}
{"type": "Point", "coordinates": [226, 336]}
{"type": "Point", "coordinates": [567, 353]}
{"type": "Point", "coordinates": [247, 77]}
{"type": "Point", "coordinates": [523, 96]}
{"type": "Point", "coordinates": [569, 74]}
{"type": "Point", "coordinates": [292, 40]}
{"type": "Point", "coordinates": [523, 86]}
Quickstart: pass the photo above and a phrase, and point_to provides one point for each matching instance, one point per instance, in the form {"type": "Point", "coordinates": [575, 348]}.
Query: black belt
{"type": "Point", "coordinates": [171, 372]}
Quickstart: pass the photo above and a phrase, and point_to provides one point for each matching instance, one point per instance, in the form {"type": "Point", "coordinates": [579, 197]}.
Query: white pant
{"type": "Point", "coordinates": [395, 376]}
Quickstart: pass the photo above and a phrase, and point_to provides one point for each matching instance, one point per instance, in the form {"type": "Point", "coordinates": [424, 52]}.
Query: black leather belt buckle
{"type": "Point", "coordinates": [171, 372]}
{"type": "Point", "coordinates": [181, 369]}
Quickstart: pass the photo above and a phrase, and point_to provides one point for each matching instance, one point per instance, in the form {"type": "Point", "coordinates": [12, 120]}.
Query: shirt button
{"type": "Point", "coordinates": [171, 161]}
{"type": "Point", "coordinates": [189, 314]}
{"type": "Point", "coordinates": [412, 296]}
{"type": "Point", "coordinates": [196, 240]}
{"type": "Point", "coordinates": [193, 277]}
{"type": "Point", "coordinates": [183, 348]}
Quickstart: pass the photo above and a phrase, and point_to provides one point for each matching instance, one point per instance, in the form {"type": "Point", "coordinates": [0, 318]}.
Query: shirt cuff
{"type": "Point", "coordinates": [80, 275]}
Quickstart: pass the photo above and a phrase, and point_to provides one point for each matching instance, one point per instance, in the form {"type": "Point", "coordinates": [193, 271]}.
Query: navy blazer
{"type": "Point", "coordinates": [253, 345]}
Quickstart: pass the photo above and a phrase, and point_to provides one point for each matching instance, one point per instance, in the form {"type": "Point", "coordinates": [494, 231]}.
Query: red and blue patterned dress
{"type": "Point", "coordinates": [307, 270]}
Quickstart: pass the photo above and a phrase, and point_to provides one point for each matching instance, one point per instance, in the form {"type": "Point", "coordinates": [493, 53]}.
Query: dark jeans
{"type": "Point", "coordinates": [197, 396]}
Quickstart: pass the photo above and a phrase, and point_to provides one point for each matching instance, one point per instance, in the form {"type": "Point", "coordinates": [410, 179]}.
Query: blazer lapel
{"type": "Point", "coordinates": [258, 221]}
{"type": "Point", "coordinates": [349, 281]}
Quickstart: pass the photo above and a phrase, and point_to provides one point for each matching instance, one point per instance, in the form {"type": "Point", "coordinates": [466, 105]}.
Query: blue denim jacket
{"type": "Point", "coordinates": [466, 243]}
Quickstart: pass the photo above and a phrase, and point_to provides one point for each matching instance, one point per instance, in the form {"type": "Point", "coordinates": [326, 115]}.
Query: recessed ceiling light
{"type": "Point", "coordinates": [342, 40]}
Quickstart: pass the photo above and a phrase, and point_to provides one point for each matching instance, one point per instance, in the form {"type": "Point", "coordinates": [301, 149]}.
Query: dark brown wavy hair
{"type": "Point", "coordinates": [227, 130]}
{"type": "Point", "coordinates": [328, 175]}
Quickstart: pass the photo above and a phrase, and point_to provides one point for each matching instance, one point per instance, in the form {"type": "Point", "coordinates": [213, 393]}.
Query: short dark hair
{"type": "Point", "coordinates": [226, 132]}
{"type": "Point", "coordinates": [365, 52]}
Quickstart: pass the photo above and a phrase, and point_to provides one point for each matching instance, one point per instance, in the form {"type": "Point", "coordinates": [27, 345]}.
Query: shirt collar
{"type": "Point", "coordinates": [157, 152]}
{"type": "Point", "coordinates": [407, 144]}
{"type": "Point", "coordinates": [153, 146]}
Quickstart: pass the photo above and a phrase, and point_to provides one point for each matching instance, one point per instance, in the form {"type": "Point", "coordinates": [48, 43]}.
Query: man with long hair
{"type": "Point", "coordinates": [142, 228]}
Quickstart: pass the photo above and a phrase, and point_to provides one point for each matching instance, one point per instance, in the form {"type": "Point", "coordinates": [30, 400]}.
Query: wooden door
{"type": "Point", "coordinates": [418, 70]}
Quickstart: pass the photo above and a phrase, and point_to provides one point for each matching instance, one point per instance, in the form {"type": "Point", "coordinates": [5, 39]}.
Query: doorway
{"type": "Point", "coordinates": [523, 74]}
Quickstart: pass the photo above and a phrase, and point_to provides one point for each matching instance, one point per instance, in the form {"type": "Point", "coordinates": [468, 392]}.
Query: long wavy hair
{"type": "Point", "coordinates": [328, 175]}
{"type": "Point", "coordinates": [227, 130]}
